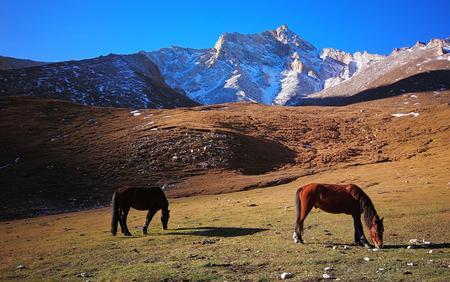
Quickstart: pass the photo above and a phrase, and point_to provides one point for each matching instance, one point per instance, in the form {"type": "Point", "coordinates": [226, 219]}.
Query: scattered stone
{"type": "Point", "coordinates": [367, 259]}
{"type": "Point", "coordinates": [328, 268]}
{"type": "Point", "coordinates": [327, 276]}
{"type": "Point", "coordinates": [375, 250]}
{"type": "Point", "coordinates": [84, 275]}
{"type": "Point", "coordinates": [21, 266]}
{"type": "Point", "coordinates": [334, 247]}
{"type": "Point", "coordinates": [430, 252]}
{"type": "Point", "coordinates": [410, 264]}
{"type": "Point", "coordinates": [346, 247]}
{"type": "Point", "coordinates": [286, 275]}
{"type": "Point", "coordinates": [381, 270]}
{"type": "Point", "coordinates": [410, 247]}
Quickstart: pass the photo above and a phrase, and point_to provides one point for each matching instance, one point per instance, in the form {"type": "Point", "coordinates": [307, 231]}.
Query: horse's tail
{"type": "Point", "coordinates": [115, 213]}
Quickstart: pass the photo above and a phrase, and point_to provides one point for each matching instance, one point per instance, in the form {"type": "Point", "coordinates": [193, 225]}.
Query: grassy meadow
{"type": "Point", "coordinates": [248, 235]}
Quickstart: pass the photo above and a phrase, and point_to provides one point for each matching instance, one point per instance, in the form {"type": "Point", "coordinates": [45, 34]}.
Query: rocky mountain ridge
{"type": "Point", "coordinates": [271, 67]}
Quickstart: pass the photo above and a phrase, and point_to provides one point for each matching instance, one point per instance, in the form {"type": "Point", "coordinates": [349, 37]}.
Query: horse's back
{"type": "Point", "coordinates": [142, 198]}
{"type": "Point", "coordinates": [333, 198]}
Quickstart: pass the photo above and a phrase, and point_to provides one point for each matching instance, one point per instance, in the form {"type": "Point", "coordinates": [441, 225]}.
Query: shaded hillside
{"type": "Point", "coordinates": [58, 155]}
{"type": "Point", "coordinates": [8, 63]}
{"type": "Point", "coordinates": [115, 80]}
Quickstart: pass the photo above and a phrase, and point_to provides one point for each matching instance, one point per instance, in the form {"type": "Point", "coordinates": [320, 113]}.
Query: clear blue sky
{"type": "Point", "coordinates": [61, 29]}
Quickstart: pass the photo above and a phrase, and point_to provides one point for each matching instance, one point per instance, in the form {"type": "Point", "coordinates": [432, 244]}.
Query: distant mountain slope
{"type": "Point", "coordinates": [423, 67]}
{"type": "Point", "coordinates": [8, 63]}
{"type": "Point", "coordinates": [271, 67]}
{"type": "Point", "coordinates": [114, 80]}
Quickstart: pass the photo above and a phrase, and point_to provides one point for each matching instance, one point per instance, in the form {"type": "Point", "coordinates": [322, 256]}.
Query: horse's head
{"type": "Point", "coordinates": [165, 215]}
{"type": "Point", "coordinates": [376, 231]}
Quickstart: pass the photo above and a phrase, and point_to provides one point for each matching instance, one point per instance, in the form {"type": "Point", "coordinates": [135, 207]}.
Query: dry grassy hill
{"type": "Point", "coordinates": [59, 156]}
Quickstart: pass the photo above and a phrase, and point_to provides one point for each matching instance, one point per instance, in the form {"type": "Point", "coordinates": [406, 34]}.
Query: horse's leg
{"type": "Point", "coordinates": [149, 217]}
{"type": "Point", "coordinates": [124, 220]}
{"type": "Point", "coordinates": [122, 227]}
{"type": "Point", "coordinates": [306, 207]}
{"type": "Point", "coordinates": [360, 238]}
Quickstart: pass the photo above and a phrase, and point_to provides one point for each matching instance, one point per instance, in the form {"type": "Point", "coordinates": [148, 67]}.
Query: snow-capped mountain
{"type": "Point", "coordinates": [114, 80]}
{"type": "Point", "coordinates": [271, 67]}
{"type": "Point", "coordinates": [420, 68]}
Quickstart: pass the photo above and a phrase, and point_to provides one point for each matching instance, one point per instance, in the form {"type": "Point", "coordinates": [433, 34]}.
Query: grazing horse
{"type": "Point", "coordinates": [151, 199]}
{"type": "Point", "coordinates": [335, 198]}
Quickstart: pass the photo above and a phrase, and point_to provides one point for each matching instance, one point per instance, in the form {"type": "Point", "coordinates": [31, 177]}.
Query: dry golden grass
{"type": "Point", "coordinates": [247, 235]}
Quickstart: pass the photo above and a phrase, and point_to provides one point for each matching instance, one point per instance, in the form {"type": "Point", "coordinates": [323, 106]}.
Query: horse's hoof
{"type": "Point", "coordinates": [297, 239]}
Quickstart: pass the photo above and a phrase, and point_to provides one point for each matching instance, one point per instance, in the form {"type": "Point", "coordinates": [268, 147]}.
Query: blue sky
{"type": "Point", "coordinates": [63, 30]}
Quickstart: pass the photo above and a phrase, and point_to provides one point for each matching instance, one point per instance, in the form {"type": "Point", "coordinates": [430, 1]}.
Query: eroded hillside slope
{"type": "Point", "coordinates": [57, 155]}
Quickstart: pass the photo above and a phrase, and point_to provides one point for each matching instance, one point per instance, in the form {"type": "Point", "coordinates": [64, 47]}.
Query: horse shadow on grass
{"type": "Point", "coordinates": [209, 231]}
{"type": "Point", "coordinates": [429, 246]}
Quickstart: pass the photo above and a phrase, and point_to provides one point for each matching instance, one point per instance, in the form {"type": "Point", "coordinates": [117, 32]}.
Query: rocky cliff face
{"type": "Point", "coordinates": [271, 67]}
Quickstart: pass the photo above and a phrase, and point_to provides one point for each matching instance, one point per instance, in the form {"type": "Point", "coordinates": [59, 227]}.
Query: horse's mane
{"type": "Point", "coordinates": [366, 206]}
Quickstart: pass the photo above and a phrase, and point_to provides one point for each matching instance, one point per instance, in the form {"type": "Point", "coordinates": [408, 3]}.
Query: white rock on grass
{"type": "Point", "coordinates": [367, 259]}
{"type": "Point", "coordinates": [286, 275]}
{"type": "Point", "coordinates": [21, 266]}
{"type": "Point", "coordinates": [381, 270]}
{"type": "Point", "coordinates": [410, 264]}
{"type": "Point", "coordinates": [430, 252]}
{"type": "Point", "coordinates": [328, 268]}
{"type": "Point", "coordinates": [327, 276]}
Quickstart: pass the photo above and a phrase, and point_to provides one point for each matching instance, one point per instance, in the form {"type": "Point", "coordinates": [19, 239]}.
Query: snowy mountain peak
{"type": "Point", "coordinates": [270, 67]}
{"type": "Point", "coordinates": [287, 36]}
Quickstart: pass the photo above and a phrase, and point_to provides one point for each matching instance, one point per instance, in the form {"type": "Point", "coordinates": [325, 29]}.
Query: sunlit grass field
{"type": "Point", "coordinates": [248, 235]}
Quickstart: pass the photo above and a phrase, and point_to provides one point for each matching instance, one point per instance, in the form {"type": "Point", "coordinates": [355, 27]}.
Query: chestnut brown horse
{"type": "Point", "coordinates": [151, 199]}
{"type": "Point", "coordinates": [335, 198]}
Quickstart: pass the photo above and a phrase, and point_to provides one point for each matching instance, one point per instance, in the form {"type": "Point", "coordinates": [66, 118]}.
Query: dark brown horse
{"type": "Point", "coordinates": [334, 198]}
{"type": "Point", "coordinates": [151, 199]}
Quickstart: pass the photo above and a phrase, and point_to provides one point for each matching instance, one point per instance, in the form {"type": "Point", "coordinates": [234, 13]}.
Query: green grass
{"type": "Point", "coordinates": [224, 237]}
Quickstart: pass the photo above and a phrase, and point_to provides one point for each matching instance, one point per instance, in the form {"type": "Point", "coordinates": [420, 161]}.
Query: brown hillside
{"type": "Point", "coordinates": [57, 155]}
